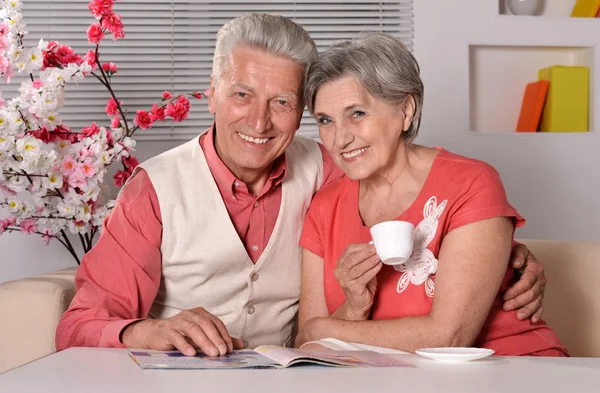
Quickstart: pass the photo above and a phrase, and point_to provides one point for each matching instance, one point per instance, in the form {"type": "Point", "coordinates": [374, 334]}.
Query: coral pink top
{"type": "Point", "coordinates": [458, 191]}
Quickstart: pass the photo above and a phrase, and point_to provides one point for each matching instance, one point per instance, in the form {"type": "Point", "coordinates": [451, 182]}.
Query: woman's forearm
{"type": "Point", "coordinates": [406, 334]}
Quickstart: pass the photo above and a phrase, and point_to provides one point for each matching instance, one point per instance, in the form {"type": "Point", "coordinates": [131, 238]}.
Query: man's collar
{"type": "Point", "coordinates": [223, 175]}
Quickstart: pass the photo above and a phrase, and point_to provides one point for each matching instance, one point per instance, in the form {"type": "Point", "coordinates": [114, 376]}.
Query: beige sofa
{"type": "Point", "coordinates": [30, 308]}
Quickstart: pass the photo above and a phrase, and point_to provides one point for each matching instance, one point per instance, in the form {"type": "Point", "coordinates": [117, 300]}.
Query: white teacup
{"type": "Point", "coordinates": [393, 241]}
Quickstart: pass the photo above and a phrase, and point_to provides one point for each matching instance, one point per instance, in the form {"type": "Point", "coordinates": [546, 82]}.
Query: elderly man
{"type": "Point", "coordinates": [201, 250]}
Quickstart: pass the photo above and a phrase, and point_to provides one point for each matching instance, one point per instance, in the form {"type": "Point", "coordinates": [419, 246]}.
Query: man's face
{"type": "Point", "coordinates": [257, 103]}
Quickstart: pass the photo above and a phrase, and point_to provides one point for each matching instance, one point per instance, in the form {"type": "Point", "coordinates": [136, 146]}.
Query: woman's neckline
{"type": "Point", "coordinates": [355, 191]}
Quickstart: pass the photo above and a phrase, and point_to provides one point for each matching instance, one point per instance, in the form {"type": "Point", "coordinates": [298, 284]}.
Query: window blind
{"type": "Point", "coordinates": [169, 45]}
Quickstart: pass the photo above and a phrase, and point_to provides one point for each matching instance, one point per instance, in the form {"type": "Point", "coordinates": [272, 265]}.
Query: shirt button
{"type": "Point", "coordinates": [251, 310]}
{"type": "Point", "coordinates": [254, 276]}
{"type": "Point", "coordinates": [255, 248]}
{"type": "Point", "coordinates": [256, 204]}
{"type": "Point", "coordinates": [246, 343]}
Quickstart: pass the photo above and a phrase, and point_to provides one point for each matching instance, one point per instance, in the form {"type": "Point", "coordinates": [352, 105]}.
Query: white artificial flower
{"type": "Point", "coordinates": [17, 183]}
{"type": "Point", "coordinates": [128, 142]}
{"type": "Point", "coordinates": [13, 204]}
{"type": "Point", "coordinates": [51, 120]}
{"type": "Point", "coordinates": [53, 181]}
{"type": "Point", "coordinates": [84, 213]}
{"type": "Point", "coordinates": [16, 123]}
{"type": "Point", "coordinates": [7, 142]}
{"type": "Point", "coordinates": [25, 210]}
{"type": "Point", "coordinates": [4, 122]}
{"type": "Point", "coordinates": [29, 147]}
{"type": "Point", "coordinates": [35, 60]}
{"type": "Point", "coordinates": [66, 210]}
{"type": "Point", "coordinates": [118, 133]}
{"type": "Point", "coordinates": [38, 187]}
{"type": "Point", "coordinates": [77, 227]}
{"type": "Point", "coordinates": [42, 45]}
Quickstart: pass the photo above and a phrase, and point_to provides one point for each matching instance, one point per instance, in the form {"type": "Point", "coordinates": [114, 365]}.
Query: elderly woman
{"type": "Point", "coordinates": [366, 96]}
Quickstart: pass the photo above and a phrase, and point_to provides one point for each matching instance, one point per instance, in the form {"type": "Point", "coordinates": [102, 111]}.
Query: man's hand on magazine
{"type": "Point", "coordinates": [187, 331]}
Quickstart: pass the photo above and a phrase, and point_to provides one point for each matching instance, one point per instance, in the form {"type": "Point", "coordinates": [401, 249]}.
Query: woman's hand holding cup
{"type": "Point", "coordinates": [356, 273]}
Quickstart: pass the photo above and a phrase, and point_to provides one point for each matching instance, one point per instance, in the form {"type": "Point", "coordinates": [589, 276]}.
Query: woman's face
{"type": "Point", "coordinates": [361, 132]}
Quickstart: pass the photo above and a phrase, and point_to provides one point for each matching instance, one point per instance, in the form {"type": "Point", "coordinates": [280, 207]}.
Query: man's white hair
{"type": "Point", "coordinates": [275, 34]}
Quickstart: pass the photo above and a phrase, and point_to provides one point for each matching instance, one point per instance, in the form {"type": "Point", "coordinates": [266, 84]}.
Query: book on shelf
{"type": "Point", "coordinates": [586, 9]}
{"type": "Point", "coordinates": [567, 101]}
{"type": "Point", "coordinates": [271, 356]}
{"type": "Point", "coordinates": [532, 106]}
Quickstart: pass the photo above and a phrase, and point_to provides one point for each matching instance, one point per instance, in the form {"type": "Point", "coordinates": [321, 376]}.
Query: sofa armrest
{"type": "Point", "coordinates": [30, 309]}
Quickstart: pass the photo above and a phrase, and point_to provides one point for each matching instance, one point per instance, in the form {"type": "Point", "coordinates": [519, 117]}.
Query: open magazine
{"type": "Point", "coordinates": [264, 356]}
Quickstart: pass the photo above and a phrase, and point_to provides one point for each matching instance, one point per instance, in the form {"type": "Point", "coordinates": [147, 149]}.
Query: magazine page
{"type": "Point", "coordinates": [339, 345]}
{"type": "Point", "coordinates": [150, 359]}
{"type": "Point", "coordinates": [288, 357]}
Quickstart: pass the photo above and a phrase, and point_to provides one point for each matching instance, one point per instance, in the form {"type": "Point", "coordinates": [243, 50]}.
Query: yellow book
{"type": "Point", "coordinates": [586, 8]}
{"type": "Point", "coordinates": [567, 102]}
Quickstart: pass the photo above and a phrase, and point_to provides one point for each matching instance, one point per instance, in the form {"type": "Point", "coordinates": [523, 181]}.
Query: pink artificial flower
{"type": "Point", "coordinates": [7, 191]}
{"type": "Point", "coordinates": [90, 58]}
{"type": "Point", "coordinates": [178, 110]}
{"type": "Point", "coordinates": [130, 163]}
{"type": "Point", "coordinates": [37, 84]}
{"type": "Point", "coordinates": [10, 221]}
{"type": "Point", "coordinates": [68, 165]}
{"type": "Point", "coordinates": [158, 113]}
{"type": "Point", "coordinates": [4, 43]}
{"type": "Point", "coordinates": [114, 24]}
{"type": "Point", "coordinates": [77, 181]}
{"type": "Point", "coordinates": [111, 108]}
{"type": "Point", "coordinates": [88, 168]}
{"type": "Point", "coordinates": [4, 224]}
{"type": "Point", "coordinates": [47, 236]}
{"type": "Point", "coordinates": [66, 55]}
{"type": "Point", "coordinates": [44, 135]}
{"type": "Point", "coordinates": [63, 132]}
{"type": "Point", "coordinates": [121, 177]}
{"type": "Point", "coordinates": [3, 29]}
{"type": "Point", "coordinates": [197, 95]}
{"type": "Point", "coordinates": [115, 122]}
{"type": "Point", "coordinates": [28, 226]}
{"type": "Point", "coordinates": [207, 93]}
{"type": "Point", "coordinates": [110, 68]}
{"type": "Point", "coordinates": [142, 119]}
{"type": "Point", "coordinates": [91, 130]}
{"type": "Point", "coordinates": [166, 95]}
{"type": "Point", "coordinates": [6, 68]}
{"type": "Point", "coordinates": [95, 34]}
{"type": "Point", "coordinates": [85, 153]}
{"type": "Point", "coordinates": [101, 8]}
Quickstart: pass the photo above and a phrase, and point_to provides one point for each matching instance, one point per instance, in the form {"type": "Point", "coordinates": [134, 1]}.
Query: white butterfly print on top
{"type": "Point", "coordinates": [422, 264]}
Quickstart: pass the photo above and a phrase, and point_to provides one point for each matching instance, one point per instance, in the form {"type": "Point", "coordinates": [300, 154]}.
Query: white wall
{"type": "Point", "coordinates": [552, 180]}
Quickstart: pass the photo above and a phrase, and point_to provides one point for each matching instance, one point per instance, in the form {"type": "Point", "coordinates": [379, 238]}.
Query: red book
{"type": "Point", "coordinates": [532, 106]}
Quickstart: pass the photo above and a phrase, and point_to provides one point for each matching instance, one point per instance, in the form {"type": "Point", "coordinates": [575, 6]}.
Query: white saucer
{"type": "Point", "coordinates": [456, 354]}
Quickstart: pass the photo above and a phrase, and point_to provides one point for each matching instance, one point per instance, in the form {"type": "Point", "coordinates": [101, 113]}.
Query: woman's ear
{"type": "Point", "coordinates": [211, 96]}
{"type": "Point", "coordinates": [408, 110]}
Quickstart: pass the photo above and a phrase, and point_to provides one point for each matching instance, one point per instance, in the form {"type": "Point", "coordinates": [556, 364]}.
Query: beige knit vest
{"type": "Point", "coordinates": [205, 264]}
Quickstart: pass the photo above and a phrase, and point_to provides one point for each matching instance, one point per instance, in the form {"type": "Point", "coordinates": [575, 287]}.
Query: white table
{"type": "Point", "coordinates": [100, 370]}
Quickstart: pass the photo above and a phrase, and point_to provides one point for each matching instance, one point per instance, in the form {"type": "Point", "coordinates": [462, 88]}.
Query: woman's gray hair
{"type": "Point", "coordinates": [273, 33]}
{"type": "Point", "coordinates": [382, 65]}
